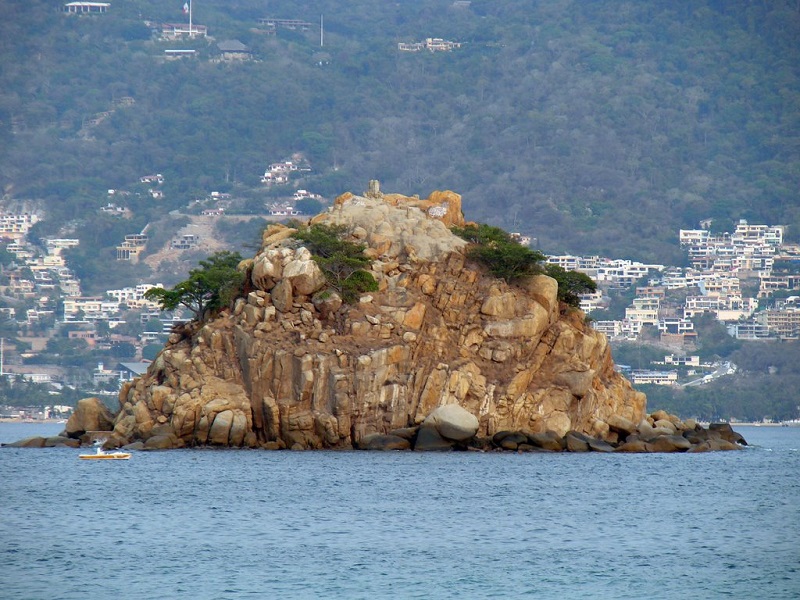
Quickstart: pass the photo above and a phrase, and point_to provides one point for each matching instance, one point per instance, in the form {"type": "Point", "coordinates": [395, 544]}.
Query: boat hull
{"type": "Point", "coordinates": [114, 456]}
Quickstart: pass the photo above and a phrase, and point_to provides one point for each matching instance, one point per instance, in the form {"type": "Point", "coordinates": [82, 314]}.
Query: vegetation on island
{"type": "Point", "coordinates": [211, 286]}
{"type": "Point", "coordinates": [507, 259]}
{"type": "Point", "coordinates": [343, 262]}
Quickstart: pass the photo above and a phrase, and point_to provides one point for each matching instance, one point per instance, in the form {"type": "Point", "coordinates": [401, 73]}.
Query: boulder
{"type": "Point", "coordinates": [453, 422]}
{"type": "Point", "coordinates": [90, 415]}
{"type": "Point", "coordinates": [326, 303]}
{"type": "Point", "coordinates": [666, 424]}
{"type": "Point", "coordinates": [281, 295]}
{"type": "Point", "coordinates": [668, 443]}
{"type": "Point", "coordinates": [635, 445]}
{"type": "Point", "coordinates": [58, 440]}
{"type": "Point", "coordinates": [29, 442]}
{"type": "Point", "coordinates": [726, 432]}
{"type": "Point", "coordinates": [511, 440]}
{"type": "Point", "coordinates": [429, 439]}
{"type": "Point", "coordinates": [720, 444]}
{"type": "Point", "coordinates": [378, 441]}
{"type": "Point", "coordinates": [576, 442]}
{"type": "Point", "coordinates": [660, 415]}
{"type": "Point", "coordinates": [305, 274]}
{"type": "Point", "coordinates": [596, 445]}
{"type": "Point", "coordinates": [621, 425]}
{"type": "Point", "coordinates": [548, 440]}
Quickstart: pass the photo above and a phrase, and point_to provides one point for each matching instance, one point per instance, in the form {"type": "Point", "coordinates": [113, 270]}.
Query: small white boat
{"type": "Point", "coordinates": [103, 455]}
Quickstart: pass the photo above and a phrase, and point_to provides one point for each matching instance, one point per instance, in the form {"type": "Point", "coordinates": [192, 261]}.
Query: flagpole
{"type": "Point", "coordinates": [191, 33]}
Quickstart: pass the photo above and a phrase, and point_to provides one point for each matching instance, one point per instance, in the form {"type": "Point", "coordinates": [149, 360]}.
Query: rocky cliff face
{"type": "Point", "coordinates": [288, 366]}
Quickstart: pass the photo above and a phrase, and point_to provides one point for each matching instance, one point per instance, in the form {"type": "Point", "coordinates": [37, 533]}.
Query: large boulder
{"type": "Point", "coordinates": [547, 440]}
{"type": "Point", "coordinates": [90, 415]}
{"type": "Point", "coordinates": [668, 443]}
{"type": "Point", "coordinates": [453, 422]}
{"type": "Point", "coordinates": [726, 432]}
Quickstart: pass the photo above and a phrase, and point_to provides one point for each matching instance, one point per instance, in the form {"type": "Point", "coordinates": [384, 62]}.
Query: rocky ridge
{"type": "Point", "coordinates": [441, 356]}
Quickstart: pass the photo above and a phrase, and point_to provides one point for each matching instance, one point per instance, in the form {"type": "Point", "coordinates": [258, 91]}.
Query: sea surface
{"type": "Point", "coordinates": [222, 524]}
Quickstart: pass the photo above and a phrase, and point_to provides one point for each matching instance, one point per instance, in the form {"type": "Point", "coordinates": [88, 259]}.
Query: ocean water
{"type": "Point", "coordinates": [221, 524]}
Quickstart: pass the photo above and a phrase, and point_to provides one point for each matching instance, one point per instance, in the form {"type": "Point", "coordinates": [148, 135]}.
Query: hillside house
{"type": "Point", "coordinates": [752, 329]}
{"type": "Point", "coordinates": [133, 245]}
{"type": "Point", "coordinates": [234, 50]}
{"type": "Point", "coordinates": [686, 361]}
{"type": "Point", "coordinates": [293, 24]}
{"type": "Point", "coordinates": [282, 209]}
{"type": "Point", "coordinates": [173, 31]}
{"type": "Point", "coordinates": [430, 44]}
{"type": "Point", "coordinates": [768, 284]}
{"type": "Point", "coordinates": [158, 179]}
{"type": "Point", "coordinates": [783, 323]}
{"type": "Point", "coordinates": [86, 8]}
{"type": "Point", "coordinates": [175, 53]}
{"type": "Point", "coordinates": [90, 308]}
{"type": "Point", "coordinates": [646, 377]}
{"type": "Point", "coordinates": [187, 241]}
{"type": "Point", "coordinates": [133, 297]}
{"type": "Point", "coordinates": [90, 337]}
{"type": "Point", "coordinates": [15, 226]}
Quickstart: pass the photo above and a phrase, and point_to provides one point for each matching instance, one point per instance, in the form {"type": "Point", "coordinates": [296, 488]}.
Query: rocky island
{"type": "Point", "coordinates": [441, 355]}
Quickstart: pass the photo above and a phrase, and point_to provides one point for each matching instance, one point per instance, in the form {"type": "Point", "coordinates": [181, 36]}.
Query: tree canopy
{"type": "Point", "coordinates": [343, 262]}
{"type": "Point", "coordinates": [505, 257]}
{"type": "Point", "coordinates": [209, 287]}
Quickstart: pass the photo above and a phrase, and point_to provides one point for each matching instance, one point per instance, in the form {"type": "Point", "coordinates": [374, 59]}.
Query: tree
{"type": "Point", "coordinates": [340, 260]}
{"type": "Point", "coordinates": [571, 284]}
{"type": "Point", "coordinates": [499, 252]}
{"type": "Point", "coordinates": [210, 287]}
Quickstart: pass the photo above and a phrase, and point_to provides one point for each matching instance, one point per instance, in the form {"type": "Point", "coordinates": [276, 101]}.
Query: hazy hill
{"type": "Point", "coordinates": [596, 127]}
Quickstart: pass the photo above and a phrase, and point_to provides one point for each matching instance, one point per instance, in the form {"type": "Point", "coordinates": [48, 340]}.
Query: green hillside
{"type": "Point", "coordinates": [594, 126]}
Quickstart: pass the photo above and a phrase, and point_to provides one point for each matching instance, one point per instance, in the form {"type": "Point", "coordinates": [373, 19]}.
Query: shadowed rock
{"type": "Point", "coordinates": [378, 441]}
{"type": "Point", "coordinates": [548, 440]}
{"type": "Point", "coordinates": [576, 442]}
{"type": "Point", "coordinates": [429, 439]}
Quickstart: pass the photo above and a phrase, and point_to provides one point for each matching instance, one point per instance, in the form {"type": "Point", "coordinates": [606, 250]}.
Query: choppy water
{"type": "Point", "coordinates": [256, 524]}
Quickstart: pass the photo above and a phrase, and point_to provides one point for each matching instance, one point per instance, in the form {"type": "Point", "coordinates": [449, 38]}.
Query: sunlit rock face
{"type": "Point", "coordinates": [289, 367]}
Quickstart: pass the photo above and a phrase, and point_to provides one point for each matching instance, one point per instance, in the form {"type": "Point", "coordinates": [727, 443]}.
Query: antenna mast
{"type": "Point", "coordinates": [321, 32]}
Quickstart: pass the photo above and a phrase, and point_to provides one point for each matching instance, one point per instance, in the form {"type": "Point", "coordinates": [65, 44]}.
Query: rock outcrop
{"type": "Point", "coordinates": [291, 366]}
{"type": "Point", "coordinates": [90, 415]}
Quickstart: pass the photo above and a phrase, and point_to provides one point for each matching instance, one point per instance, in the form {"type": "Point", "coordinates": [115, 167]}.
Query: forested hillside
{"type": "Point", "coordinates": [593, 126]}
